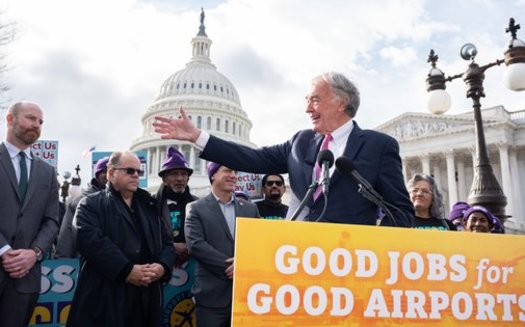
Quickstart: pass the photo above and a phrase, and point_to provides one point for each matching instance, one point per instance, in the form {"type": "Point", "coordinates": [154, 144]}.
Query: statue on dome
{"type": "Point", "coordinates": [202, 16]}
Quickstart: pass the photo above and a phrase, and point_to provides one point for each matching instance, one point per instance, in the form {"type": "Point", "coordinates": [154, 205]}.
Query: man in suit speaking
{"type": "Point", "coordinates": [28, 214]}
{"type": "Point", "coordinates": [331, 103]}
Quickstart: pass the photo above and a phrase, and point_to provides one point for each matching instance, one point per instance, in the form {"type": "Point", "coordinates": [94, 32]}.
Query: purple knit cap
{"type": "Point", "coordinates": [241, 194]}
{"type": "Point", "coordinates": [212, 169]}
{"type": "Point", "coordinates": [174, 160]}
{"type": "Point", "coordinates": [494, 221]}
{"type": "Point", "coordinates": [101, 166]}
{"type": "Point", "coordinates": [458, 210]}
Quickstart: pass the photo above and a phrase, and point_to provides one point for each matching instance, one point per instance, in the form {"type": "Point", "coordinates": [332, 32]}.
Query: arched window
{"type": "Point", "coordinates": [226, 126]}
{"type": "Point", "coordinates": [218, 125]}
{"type": "Point", "coordinates": [208, 123]}
{"type": "Point", "coordinates": [199, 122]}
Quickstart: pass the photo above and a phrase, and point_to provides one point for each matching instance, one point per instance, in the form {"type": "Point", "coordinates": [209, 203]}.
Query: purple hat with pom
{"type": "Point", "coordinates": [458, 210]}
{"type": "Point", "coordinates": [101, 166]}
{"type": "Point", "coordinates": [174, 160]}
{"type": "Point", "coordinates": [212, 169]}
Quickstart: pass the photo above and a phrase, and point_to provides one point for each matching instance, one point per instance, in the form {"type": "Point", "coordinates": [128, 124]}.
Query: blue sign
{"type": "Point", "coordinates": [59, 281]}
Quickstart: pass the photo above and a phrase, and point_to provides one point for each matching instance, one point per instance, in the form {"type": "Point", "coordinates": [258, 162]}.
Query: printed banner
{"type": "Point", "coordinates": [47, 151]}
{"type": "Point", "coordinates": [59, 280]}
{"type": "Point", "coordinates": [319, 274]}
{"type": "Point", "coordinates": [250, 184]}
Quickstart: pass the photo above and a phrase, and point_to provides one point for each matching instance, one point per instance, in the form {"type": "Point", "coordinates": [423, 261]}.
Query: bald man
{"type": "Point", "coordinates": [28, 214]}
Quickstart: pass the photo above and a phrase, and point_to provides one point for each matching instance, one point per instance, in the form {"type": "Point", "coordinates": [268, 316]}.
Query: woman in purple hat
{"type": "Point", "coordinates": [479, 219]}
{"type": "Point", "coordinates": [456, 214]}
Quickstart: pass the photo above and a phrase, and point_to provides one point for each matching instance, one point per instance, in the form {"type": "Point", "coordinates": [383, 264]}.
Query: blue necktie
{"type": "Point", "coordinates": [22, 183]}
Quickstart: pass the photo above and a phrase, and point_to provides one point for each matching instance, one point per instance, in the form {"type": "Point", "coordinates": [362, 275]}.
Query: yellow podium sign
{"type": "Point", "coordinates": [319, 274]}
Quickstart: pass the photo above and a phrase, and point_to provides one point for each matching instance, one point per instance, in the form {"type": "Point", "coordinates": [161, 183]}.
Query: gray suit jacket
{"type": "Point", "coordinates": [32, 223]}
{"type": "Point", "coordinates": [211, 243]}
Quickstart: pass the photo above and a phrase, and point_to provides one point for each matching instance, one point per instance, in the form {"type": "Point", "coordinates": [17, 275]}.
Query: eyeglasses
{"type": "Point", "coordinates": [423, 191]}
{"type": "Point", "coordinates": [130, 171]}
{"type": "Point", "coordinates": [270, 183]}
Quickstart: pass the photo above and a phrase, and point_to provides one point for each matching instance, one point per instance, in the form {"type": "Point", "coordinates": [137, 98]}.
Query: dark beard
{"type": "Point", "coordinates": [25, 136]}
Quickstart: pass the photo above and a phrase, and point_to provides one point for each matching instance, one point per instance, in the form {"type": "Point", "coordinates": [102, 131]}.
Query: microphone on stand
{"type": "Point", "coordinates": [346, 167]}
{"type": "Point", "coordinates": [325, 159]}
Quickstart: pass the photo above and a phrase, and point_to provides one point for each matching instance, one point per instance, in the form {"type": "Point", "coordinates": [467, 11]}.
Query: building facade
{"type": "Point", "coordinates": [444, 146]}
{"type": "Point", "coordinates": [211, 101]}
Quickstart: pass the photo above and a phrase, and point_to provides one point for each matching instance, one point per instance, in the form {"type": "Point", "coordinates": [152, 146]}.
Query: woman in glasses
{"type": "Point", "coordinates": [428, 203]}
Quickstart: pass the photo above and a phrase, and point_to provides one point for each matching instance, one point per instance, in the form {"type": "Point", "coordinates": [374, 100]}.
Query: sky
{"type": "Point", "coordinates": [95, 66]}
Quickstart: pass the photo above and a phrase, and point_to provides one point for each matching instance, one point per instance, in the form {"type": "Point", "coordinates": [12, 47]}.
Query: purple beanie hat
{"type": "Point", "coordinates": [174, 160]}
{"type": "Point", "coordinates": [241, 194]}
{"type": "Point", "coordinates": [101, 166]}
{"type": "Point", "coordinates": [212, 169]}
{"type": "Point", "coordinates": [494, 221]}
{"type": "Point", "coordinates": [458, 210]}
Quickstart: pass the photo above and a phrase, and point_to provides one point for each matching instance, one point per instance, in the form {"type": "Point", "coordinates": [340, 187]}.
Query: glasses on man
{"type": "Point", "coordinates": [130, 171]}
{"type": "Point", "coordinates": [271, 183]}
{"type": "Point", "coordinates": [421, 190]}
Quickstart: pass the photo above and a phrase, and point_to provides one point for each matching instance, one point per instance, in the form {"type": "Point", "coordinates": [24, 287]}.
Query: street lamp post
{"type": "Point", "coordinates": [485, 189]}
{"type": "Point", "coordinates": [64, 188]}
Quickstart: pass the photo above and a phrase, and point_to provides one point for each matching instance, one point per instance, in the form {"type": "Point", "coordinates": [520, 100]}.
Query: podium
{"type": "Point", "coordinates": [319, 274]}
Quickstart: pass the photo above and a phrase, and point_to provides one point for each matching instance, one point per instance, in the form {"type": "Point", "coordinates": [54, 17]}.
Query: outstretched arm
{"type": "Point", "coordinates": [181, 128]}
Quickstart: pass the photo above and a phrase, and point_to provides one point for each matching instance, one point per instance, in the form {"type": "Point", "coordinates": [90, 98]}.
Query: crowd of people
{"type": "Point", "coordinates": [129, 240]}
{"type": "Point", "coordinates": [429, 210]}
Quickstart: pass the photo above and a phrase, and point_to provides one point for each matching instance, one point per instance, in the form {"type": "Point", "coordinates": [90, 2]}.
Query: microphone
{"type": "Point", "coordinates": [346, 167]}
{"type": "Point", "coordinates": [325, 159]}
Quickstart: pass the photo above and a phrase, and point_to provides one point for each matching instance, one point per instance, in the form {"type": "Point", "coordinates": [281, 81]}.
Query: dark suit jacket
{"type": "Point", "coordinates": [374, 155]}
{"type": "Point", "coordinates": [109, 241]}
{"type": "Point", "coordinates": [210, 243]}
{"type": "Point", "coordinates": [32, 223]}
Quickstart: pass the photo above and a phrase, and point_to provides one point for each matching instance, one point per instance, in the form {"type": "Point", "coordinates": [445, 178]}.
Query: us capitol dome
{"type": "Point", "coordinates": [211, 101]}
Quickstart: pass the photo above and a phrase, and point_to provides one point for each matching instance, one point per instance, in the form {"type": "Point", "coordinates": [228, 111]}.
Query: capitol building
{"type": "Point", "coordinates": [212, 103]}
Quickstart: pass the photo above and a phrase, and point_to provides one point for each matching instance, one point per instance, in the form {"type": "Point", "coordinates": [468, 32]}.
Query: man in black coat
{"type": "Point", "coordinates": [126, 252]}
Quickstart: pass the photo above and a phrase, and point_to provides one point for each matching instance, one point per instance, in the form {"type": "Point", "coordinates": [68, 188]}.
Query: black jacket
{"type": "Point", "coordinates": [109, 244]}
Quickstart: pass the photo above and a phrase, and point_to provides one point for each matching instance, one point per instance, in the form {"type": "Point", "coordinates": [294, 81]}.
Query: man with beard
{"type": "Point", "coordinates": [28, 214]}
{"type": "Point", "coordinates": [67, 237]}
{"type": "Point", "coordinates": [273, 189]}
{"type": "Point", "coordinates": [173, 196]}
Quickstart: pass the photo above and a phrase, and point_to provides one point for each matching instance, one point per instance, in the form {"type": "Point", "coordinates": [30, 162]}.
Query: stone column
{"type": "Point", "coordinates": [404, 162]}
{"type": "Point", "coordinates": [148, 160]}
{"type": "Point", "coordinates": [519, 213]}
{"type": "Point", "coordinates": [425, 163]}
{"type": "Point", "coordinates": [505, 176]}
{"type": "Point", "coordinates": [436, 171]}
{"type": "Point", "coordinates": [462, 187]}
{"type": "Point", "coordinates": [191, 160]}
{"type": "Point", "coordinates": [451, 178]}
{"type": "Point", "coordinates": [155, 161]}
